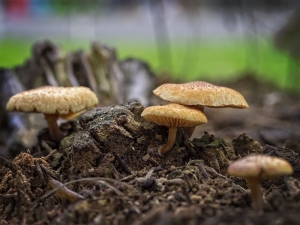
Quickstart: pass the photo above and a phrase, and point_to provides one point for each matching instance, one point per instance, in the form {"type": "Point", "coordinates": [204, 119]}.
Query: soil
{"type": "Point", "coordinates": [107, 169]}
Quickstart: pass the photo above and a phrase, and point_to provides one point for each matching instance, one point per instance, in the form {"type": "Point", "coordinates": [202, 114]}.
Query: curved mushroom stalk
{"type": "Point", "coordinates": [54, 130]}
{"type": "Point", "coordinates": [164, 149]}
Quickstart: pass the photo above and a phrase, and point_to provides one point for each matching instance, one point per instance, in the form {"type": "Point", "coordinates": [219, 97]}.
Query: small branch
{"type": "Point", "coordinates": [6, 163]}
{"type": "Point", "coordinates": [122, 164]}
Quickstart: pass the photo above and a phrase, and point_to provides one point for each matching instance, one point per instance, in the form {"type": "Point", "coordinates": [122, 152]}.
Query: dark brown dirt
{"type": "Point", "coordinates": [113, 175]}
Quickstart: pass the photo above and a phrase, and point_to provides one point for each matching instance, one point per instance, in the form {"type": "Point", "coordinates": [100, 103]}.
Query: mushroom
{"type": "Point", "coordinates": [200, 94]}
{"type": "Point", "coordinates": [255, 168]}
{"type": "Point", "coordinates": [54, 102]}
{"type": "Point", "coordinates": [173, 116]}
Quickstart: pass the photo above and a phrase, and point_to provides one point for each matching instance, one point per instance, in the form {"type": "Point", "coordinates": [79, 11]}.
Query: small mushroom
{"type": "Point", "coordinates": [173, 116]}
{"type": "Point", "coordinates": [54, 102]}
{"type": "Point", "coordinates": [200, 94]}
{"type": "Point", "coordinates": [255, 168]}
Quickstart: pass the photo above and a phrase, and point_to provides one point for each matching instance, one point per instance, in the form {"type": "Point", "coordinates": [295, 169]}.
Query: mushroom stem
{"type": "Point", "coordinates": [164, 149]}
{"type": "Point", "coordinates": [254, 185]}
{"type": "Point", "coordinates": [189, 130]}
{"type": "Point", "coordinates": [54, 130]}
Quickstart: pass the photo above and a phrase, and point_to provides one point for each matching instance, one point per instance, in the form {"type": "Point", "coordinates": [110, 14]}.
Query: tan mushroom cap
{"type": "Point", "coordinates": [261, 166]}
{"type": "Point", "coordinates": [201, 93]}
{"type": "Point", "coordinates": [53, 100]}
{"type": "Point", "coordinates": [174, 115]}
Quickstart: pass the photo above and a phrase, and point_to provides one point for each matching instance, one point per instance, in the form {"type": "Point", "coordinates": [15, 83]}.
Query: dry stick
{"type": "Point", "coordinates": [48, 172]}
{"type": "Point", "coordinates": [63, 192]}
{"type": "Point", "coordinates": [187, 195]}
{"type": "Point", "coordinates": [100, 178]}
{"type": "Point", "coordinates": [49, 75]}
{"type": "Point", "coordinates": [47, 157]}
{"type": "Point", "coordinates": [122, 164]}
{"type": "Point", "coordinates": [203, 170]}
{"type": "Point", "coordinates": [70, 72]}
{"type": "Point", "coordinates": [115, 172]}
{"type": "Point", "coordinates": [46, 147]}
{"type": "Point", "coordinates": [95, 179]}
{"type": "Point", "coordinates": [89, 72]}
{"type": "Point", "coordinates": [97, 220]}
{"type": "Point", "coordinates": [111, 187]}
{"type": "Point", "coordinates": [152, 216]}
{"type": "Point", "coordinates": [200, 166]}
{"type": "Point", "coordinates": [40, 172]}
{"type": "Point", "coordinates": [6, 163]}
{"type": "Point", "coordinates": [59, 70]}
{"type": "Point", "coordinates": [127, 178]}
{"type": "Point", "coordinates": [149, 173]}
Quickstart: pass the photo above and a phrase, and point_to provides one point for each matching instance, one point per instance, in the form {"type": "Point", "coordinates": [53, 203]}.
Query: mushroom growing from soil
{"type": "Point", "coordinates": [200, 94]}
{"type": "Point", "coordinates": [255, 168]}
{"type": "Point", "coordinates": [173, 116]}
{"type": "Point", "coordinates": [54, 102]}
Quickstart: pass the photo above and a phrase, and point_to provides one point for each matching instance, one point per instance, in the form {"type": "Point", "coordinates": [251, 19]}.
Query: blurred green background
{"type": "Point", "coordinates": [190, 57]}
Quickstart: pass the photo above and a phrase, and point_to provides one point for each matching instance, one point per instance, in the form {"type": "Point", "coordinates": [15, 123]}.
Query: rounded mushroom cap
{"type": "Point", "coordinates": [260, 166]}
{"type": "Point", "coordinates": [174, 115]}
{"type": "Point", "coordinates": [201, 93]}
{"type": "Point", "coordinates": [53, 100]}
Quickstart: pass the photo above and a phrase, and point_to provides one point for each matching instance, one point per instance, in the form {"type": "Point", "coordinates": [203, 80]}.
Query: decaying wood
{"type": "Point", "coordinates": [113, 81]}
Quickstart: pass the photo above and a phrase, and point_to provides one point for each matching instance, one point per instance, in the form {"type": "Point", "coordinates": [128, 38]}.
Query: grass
{"type": "Point", "coordinates": [196, 60]}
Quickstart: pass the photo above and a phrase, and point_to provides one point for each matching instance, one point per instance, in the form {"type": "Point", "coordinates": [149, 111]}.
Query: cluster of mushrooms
{"type": "Point", "coordinates": [185, 110]}
{"type": "Point", "coordinates": [187, 106]}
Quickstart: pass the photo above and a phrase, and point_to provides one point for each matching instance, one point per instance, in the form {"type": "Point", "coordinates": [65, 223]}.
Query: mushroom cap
{"type": "Point", "coordinates": [201, 93]}
{"type": "Point", "coordinates": [53, 100]}
{"type": "Point", "coordinates": [260, 166]}
{"type": "Point", "coordinates": [174, 115]}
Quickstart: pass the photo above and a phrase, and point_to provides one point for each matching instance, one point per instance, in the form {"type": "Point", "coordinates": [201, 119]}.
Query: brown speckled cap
{"type": "Point", "coordinates": [53, 100]}
{"type": "Point", "coordinates": [201, 93]}
{"type": "Point", "coordinates": [174, 115]}
{"type": "Point", "coordinates": [260, 166]}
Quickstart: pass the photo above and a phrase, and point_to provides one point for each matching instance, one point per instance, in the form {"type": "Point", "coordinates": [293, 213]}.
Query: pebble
{"type": "Point", "coordinates": [146, 157]}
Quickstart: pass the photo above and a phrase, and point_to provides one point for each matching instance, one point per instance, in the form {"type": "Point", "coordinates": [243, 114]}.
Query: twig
{"type": "Point", "coordinates": [70, 73]}
{"type": "Point", "coordinates": [200, 166]}
{"type": "Point", "coordinates": [47, 171]}
{"type": "Point", "coordinates": [128, 177]}
{"type": "Point", "coordinates": [47, 157]}
{"type": "Point", "coordinates": [149, 174]}
{"type": "Point", "coordinates": [63, 192]}
{"type": "Point", "coordinates": [46, 147]}
{"type": "Point", "coordinates": [94, 179]}
{"type": "Point", "coordinates": [40, 172]}
{"type": "Point", "coordinates": [49, 75]}
{"type": "Point", "coordinates": [203, 170]}
{"type": "Point", "coordinates": [111, 187]}
{"type": "Point", "coordinates": [88, 71]}
{"type": "Point", "coordinates": [122, 164]}
{"type": "Point", "coordinates": [6, 163]}
{"type": "Point", "coordinates": [187, 195]}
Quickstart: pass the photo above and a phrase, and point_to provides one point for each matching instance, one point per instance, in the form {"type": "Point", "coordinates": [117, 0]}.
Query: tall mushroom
{"type": "Point", "coordinates": [255, 168]}
{"type": "Point", "coordinates": [200, 94]}
{"type": "Point", "coordinates": [173, 116]}
{"type": "Point", "coordinates": [54, 102]}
